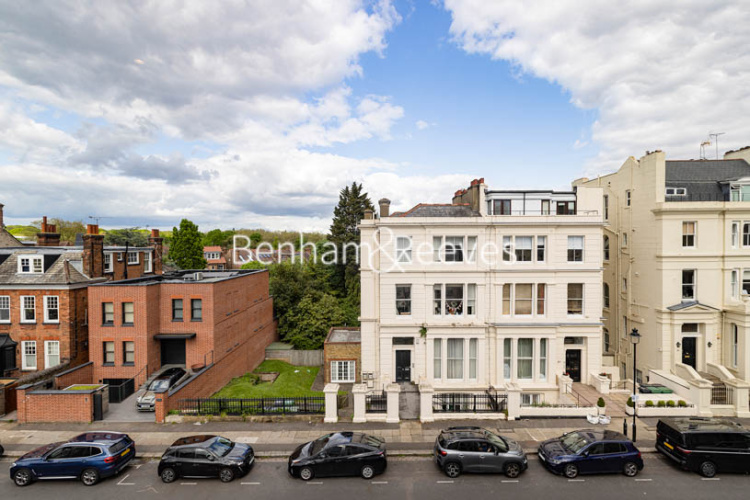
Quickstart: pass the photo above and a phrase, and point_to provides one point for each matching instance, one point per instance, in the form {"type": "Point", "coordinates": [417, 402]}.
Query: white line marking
{"type": "Point", "coordinates": [644, 479]}
{"type": "Point", "coordinates": [509, 481]}
{"type": "Point", "coordinates": [576, 480]}
{"type": "Point", "coordinates": [445, 482]}
{"type": "Point", "coordinates": [710, 479]}
{"type": "Point", "coordinates": [137, 466]}
{"type": "Point", "coordinates": [315, 482]}
{"type": "Point", "coordinates": [121, 483]}
{"type": "Point", "coordinates": [188, 484]}
{"type": "Point", "coordinates": [380, 482]}
{"type": "Point", "coordinates": [251, 483]}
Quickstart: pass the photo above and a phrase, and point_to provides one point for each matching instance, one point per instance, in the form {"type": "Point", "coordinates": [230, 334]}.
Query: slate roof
{"type": "Point", "coordinates": [344, 335]}
{"type": "Point", "coordinates": [439, 210]}
{"type": "Point", "coordinates": [8, 240]}
{"type": "Point", "coordinates": [62, 266]}
{"type": "Point", "coordinates": [704, 180]}
{"type": "Point", "coordinates": [686, 305]}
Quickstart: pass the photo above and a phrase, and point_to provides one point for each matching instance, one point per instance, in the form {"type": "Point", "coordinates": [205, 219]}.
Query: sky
{"type": "Point", "coordinates": [242, 114]}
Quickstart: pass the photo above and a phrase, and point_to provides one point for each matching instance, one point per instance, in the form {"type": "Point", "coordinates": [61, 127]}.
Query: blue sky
{"type": "Point", "coordinates": [255, 115]}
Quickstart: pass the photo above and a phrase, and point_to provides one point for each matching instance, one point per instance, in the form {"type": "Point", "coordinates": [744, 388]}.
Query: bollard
{"type": "Point", "coordinates": [625, 426]}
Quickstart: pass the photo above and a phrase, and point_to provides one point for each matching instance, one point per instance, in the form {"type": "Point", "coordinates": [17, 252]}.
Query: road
{"type": "Point", "coordinates": [406, 478]}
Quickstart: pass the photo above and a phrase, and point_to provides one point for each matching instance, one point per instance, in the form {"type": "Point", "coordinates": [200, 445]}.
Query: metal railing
{"type": "Point", "coordinates": [119, 388]}
{"type": "Point", "coordinates": [253, 406]}
{"type": "Point", "coordinates": [376, 403]}
{"type": "Point", "coordinates": [722, 395]}
{"type": "Point", "coordinates": [579, 401]}
{"type": "Point", "coordinates": [461, 402]}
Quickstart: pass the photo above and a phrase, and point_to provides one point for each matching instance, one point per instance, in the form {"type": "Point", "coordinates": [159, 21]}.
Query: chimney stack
{"type": "Point", "coordinates": [369, 214]}
{"type": "Point", "coordinates": [2, 225]}
{"type": "Point", "coordinates": [156, 241]}
{"type": "Point", "coordinates": [93, 252]}
{"type": "Point", "coordinates": [385, 207]}
{"type": "Point", "coordinates": [48, 236]}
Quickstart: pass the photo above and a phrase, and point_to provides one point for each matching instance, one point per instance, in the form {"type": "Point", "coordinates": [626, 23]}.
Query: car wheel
{"type": "Point", "coordinates": [90, 477]}
{"type": "Point", "coordinates": [23, 477]}
{"type": "Point", "coordinates": [306, 473]}
{"type": "Point", "coordinates": [367, 472]}
{"type": "Point", "coordinates": [226, 475]}
{"type": "Point", "coordinates": [452, 469]}
{"type": "Point", "coordinates": [630, 469]}
{"type": "Point", "coordinates": [512, 469]}
{"type": "Point", "coordinates": [570, 471]}
{"type": "Point", "coordinates": [168, 475]}
{"type": "Point", "coordinates": [708, 469]}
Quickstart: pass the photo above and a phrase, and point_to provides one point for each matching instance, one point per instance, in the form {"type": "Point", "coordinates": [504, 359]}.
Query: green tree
{"type": "Point", "coordinates": [254, 264]}
{"type": "Point", "coordinates": [67, 229]}
{"type": "Point", "coordinates": [219, 238]}
{"type": "Point", "coordinates": [255, 239]}
{"type": "Point", "coordinates": [311, 319]}
{"type": "Point", "coordinates": [186, 250]}
{"type": "Point", "coordinates": [133, 237]}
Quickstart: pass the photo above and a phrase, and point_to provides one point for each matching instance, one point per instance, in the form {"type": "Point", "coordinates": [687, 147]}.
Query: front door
{"type": "Point", "coordinates": [573, 364]}
{"type": "Point", "coordinates": [403, 366]}
{"type": "Point", "coordinates": [173, 352]}
{"type": "Point", "coordinates": [688, 351]}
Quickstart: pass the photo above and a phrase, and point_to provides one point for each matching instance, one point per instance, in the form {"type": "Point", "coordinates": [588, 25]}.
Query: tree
{"type": "Point", "coordinates": [218, 238]}
{"type": "Point", "coordinates": [311, 319]}
{"type": "Point", "coordinates": [186, 250]}
{"type": "Point", "coordinates": [131, 236]}
{"type": "Point", "coordinates": [67, 229]}
{"type": "Point", "coordinates": [254, 264]}
{"type": "Point", "coordinates": [255, 239]}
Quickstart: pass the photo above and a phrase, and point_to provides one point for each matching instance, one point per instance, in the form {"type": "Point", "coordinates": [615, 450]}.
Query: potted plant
{"type": "Point", "coordinates": [600, 404]}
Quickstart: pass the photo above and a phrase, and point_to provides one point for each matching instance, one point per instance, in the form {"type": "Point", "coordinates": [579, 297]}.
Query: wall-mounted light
{"type": "Point", "coordinates": [709, 345]}
{"type": "Point", "coordinates": [678, 345]}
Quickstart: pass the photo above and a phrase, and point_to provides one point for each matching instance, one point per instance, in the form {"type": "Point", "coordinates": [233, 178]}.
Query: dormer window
{"type": "Point", "coordinates": [676, 192]}
{"type": "Point", "coordinates": [32, 264]}
{"type": "Point", "coordinates": [740, 191]}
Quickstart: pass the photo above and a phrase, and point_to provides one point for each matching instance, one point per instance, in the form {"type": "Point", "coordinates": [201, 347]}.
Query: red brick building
{"type": "Point", "coordinates": [189, 318]}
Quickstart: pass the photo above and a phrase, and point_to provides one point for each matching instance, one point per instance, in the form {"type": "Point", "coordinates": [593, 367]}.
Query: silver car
{"type": "Point", "coordinates": [474, 449]}
{"type": "Point", "coordinates": [166, 380]}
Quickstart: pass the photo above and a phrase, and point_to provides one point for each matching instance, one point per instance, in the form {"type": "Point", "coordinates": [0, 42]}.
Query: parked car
{"type": "Point", "coordinates": [89, 457]}
{"type": "Point", "coordinates": [705, 445]}
{"type": "Point", "coordinates": [474, 449]}
{"type": "Point", "coordinates": [206, 456]}
{"type": "Point", "coordinates": [339, 454]}
{"type": "Point", "coordinates": [591, 451]}
{"type": "Point", "coordinates": [2, 450]}
{"type": "Point", "coordinates": [166, 380]}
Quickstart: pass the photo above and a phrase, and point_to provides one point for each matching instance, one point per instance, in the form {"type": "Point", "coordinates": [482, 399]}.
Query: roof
{"type": "Point", "coordinates": [193, 440]}
{"type": "Point", "coordinates": [62, 266]}
{"type": "Point", "coordinates": [174, 336]}
{"type": "Point", "coordinates": [687, 305]}
{"type": "Point", "coordinates": [185, 277]}
{"type": "Point", "coordinates": [98, 437]}
{"type": "Point", "coordinates": [705, 180]}
{"type": "Point", "coordinates": [8, 240]}
{"type": "Point", "coordinates": [344, 335]}
{"type": "Point", "coordinates": [439, 210]}
{"type": "Point", "coordinates": [212, 249]}
{"type": "Point", "coordinates": [603, 435]}
{"type": "Point", "coordinates": [698, 424]}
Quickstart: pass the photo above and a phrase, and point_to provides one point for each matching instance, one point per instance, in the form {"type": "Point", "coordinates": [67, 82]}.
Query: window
{"type": "Point", "coordinates": [454, 300]}
{"type": "Point", "coordinates": [606, 339]}
{"type": "Point", "coordinates": [575, 248]}
{"type": "Point", "coordinates": [672, 191]}
{"type": "Point", "coordinates": [605, 295]}
{"type": "Point", "coordinates": [746, 282]}
{"type": "Point", "coordinates": [506, 299]}
{"type": "Point", "coordinates": [403, 249]}
{"type": "Point", "coordinates": [51, 309]}
{"type": "Point", "coordinates": [735, 234]}
{"type": "Point", "coordinates": [688, 284]}
{"type": "Point", "coordinates": [507, 356]}
{"type": "Point", "coordinates": [545, 207]}
{"type": "Point", "coordinates": [473, 359]}
{"type": "Point", "coordinates": [108, 313]}
{"type": "Point", "coordinates": [147, 263]}
{"type": "Point", "coordinates": [624, 327]}
{"type": "Point", "coordinates": [196, 309]}
{"type": "Point", "coordinates": [28, 315]}
{"type": "Point", "coordinates": [507, 248]}
{"type": "Point", "coordinates": [624, 240]}
{"type": "Point", "coordinates": [437, 244]}
{"type": "Point", "coordinates": [541, 298]}
{"type": "Point", "coordinates": [108, 262]}
{"type": "Point", "coordinates": [525, 359]}
{"type": "Point", "coordinates": [128, 352]}
{"type": "Point", "coordinates": [455, 359]}
{"type": "Point", "coordinates": [624, 284]}
{"type": "Point", "coordinates": [735, 345]}
{"type": "Point", "coordinates": [524, 299]}
{"type": "Point", "coordinates": [4, 309]}
{"type": "Point", "coordinates": [51, 353]}
{"type": "Point", "coordinates": [531, 399]}
{"type": "Point", "coordinates": [575, 298]}
{"type": "Point", "coordinates": [627, 198]}
{"type": "Point", "coordinates": [133, 258]}
{"type": "Point", "coordinates": [688, 234]}
{"type": "Point", "coordinates": [32, 264]}
{"type": "Point", "coordinates": [471, 299]}
{"type": "Point", "coordinates": [606, 248]}
{"type": "Point", "coordinates": [128, 313]}
{"type": "Point", "coordinates": [606, 207]}
{"type": "Point", "coordinates": [746, 234]}
{"type": "Point", "coordinates": [28, 355]}
{"type": "Point", "coordinates": [437, 299]}
{"type": "Point", "coordinates": [566, 208]}
{"type": "Point", "coordinates": [541, 246]}
{"type": "Point", "coordinates": [735, 283]}
{"type": "Point", "coordinates": [454, 248]}
{"type": "Point", "coordinates": [403, 299]}
{"type": "Point", "coordinates": [437, 359]}
{"type": "Point", "coordinates": [523, 248]}
{"type": "Point", "coordinates": [343, 371]}
{"type": "Point", "coordinates": [471, 246]}
{"type": "Point", "coordinates": [501, 207]}
{"type": "Point", "coordinates": [176, 309]}
{"type": "Point", "coordinates": [108, 348]}
{"type": "Point", "coordinates": [543, 359]}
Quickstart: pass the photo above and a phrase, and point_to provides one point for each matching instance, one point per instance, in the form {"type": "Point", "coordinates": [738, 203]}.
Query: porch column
{"type": "Point", "coordinates": [425, 403]}
{"type": "Point", "coordinates": [741, 390]}
{"type": "Point", "coordinates": [332, 404]}
{"type": "Point", "coordinates": [514, 400]}
{"type": "Point", "coordinates": [359, 391]}
{"type": "Point", "coordinates": [392, 393]}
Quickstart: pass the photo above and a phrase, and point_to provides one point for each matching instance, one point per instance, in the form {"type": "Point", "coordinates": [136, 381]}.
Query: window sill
{"type": "Point", "coordinates": [196, 320]}
{"type": "Point", "coordinates": [177, 320]}
{"type": "Point", "coordinates": [108, 324]}
{"type": "Point", "coordinates": [28, 322]}
{"type": "Point", "coordinates": [128, 364]}
{"type": "Point", "coordinates": [130, 325]}
{"type": "Point", "coordinates": [108, 364]}
{"type": "Point", "coordinates": [51, 323]}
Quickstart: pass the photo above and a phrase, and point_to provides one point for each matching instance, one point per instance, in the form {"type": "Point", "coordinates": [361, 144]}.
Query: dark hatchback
{"type": "Point", "coordinates": [89, 457]}
{"type": "Point", "coordinates": [206, 456]}
{"type": "Point", "coordinates": [339, 454]}
{"type": "Point", "coordinates": [705, 445]}
{"type": "Point", "coordinates": [591, 451]}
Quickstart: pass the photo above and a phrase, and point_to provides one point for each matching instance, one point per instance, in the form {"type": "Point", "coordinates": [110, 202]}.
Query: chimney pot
{"type": "Point", "coordinates": [92, 229]}
{"type": "Point", "coordinates": [369, 214]}
{"type": "Point", "coordinates": [154, 233]}
{"type": "Point", "coordinates": [44, 224]}
{"type": "Point", "coordinates": [385, 207]}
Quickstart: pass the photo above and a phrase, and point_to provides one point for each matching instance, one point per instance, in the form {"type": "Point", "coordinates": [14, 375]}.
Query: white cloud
{"type": "Point", "coordinates": [661, 74]}
{"type": "Point", "coordinates": [422, 125]}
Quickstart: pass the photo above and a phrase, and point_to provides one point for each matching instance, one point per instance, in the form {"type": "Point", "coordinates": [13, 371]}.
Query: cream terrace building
{"type": "Point", "coordinates": [497, 287]}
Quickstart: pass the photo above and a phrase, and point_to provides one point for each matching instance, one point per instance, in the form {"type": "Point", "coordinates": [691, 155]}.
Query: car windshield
{"type": "Point", "coordinates": [574, 442]}
{"type": "Point", "coordinates": [497, 441]}
{"type": "Point", "coordinates": [159, 385]}
{"type": "Point", "coordinates": [221, 447]}
{"type": "Point", "coordinates": [319, 444]}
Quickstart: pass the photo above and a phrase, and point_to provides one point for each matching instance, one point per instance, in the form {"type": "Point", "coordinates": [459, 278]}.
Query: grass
{"type": "Point", "coordinates": [293, 381]}
{"type": "Point", "coordinates": [81, 387]}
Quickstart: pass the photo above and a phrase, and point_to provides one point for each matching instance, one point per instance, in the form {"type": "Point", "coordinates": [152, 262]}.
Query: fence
{"type": "Point", "coordinates": [461, 402]}
{"type": "Point", "coordinates": [254, 406]}
{"type": "Point", "coordinates": [297, 358]}
{"type": "Point", "coordinates": [376, 403]}
{"type": "Point", "coordinates": [722, 395]}
{"type": "Point", "coordinates": [119, 388]}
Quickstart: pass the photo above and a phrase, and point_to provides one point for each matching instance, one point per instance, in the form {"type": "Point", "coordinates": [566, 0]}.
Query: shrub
{"type": "Point", "coordinates": [630, 402]}
{"type": "Point", "coordinates": [671, 404]}
{"type": "Point", "coordinates": [682, 404]}
{"type": "Point", "coordinates": [600, 403]}
{"type": "Point", "coordinates": [649, 404]}
{"type": "Point", "coordinates": [661, 404]}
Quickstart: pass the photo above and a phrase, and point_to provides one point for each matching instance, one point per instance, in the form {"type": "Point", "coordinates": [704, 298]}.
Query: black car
{"type": "Point", "coordinates": [165, 380]}
{"type": "Point", "coordinates": [705, 445]}
{"type": "Point", "coordinates": [339, 454]}
{"type": "Point", "coordinates": [205, 456]}
{"type": "Point", "coordinates": [591, 451]}
{"type": "Point", "coordinates": [474, 449]}
{"type": "Point", "coordinates": [2, 450]}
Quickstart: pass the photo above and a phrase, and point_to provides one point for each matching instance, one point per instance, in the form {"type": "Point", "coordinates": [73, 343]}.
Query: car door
{"type": "Point", "coordinates": [468, 452]}
{"type": "Point", "coordinates": [355, 457]}
{"type": "Point", "coordinates": [485, 456]}
{"type": "Point", "coordinates": [80, 459]}
{"type": "Point", "coordinates": [184, 462]}
{"type": "Point", "coordinates": [205, 464]}
{"type": "Point", "coordinates": [592, 459]}
{"type": "Point", "coordinates": [495, 462]}
{"type": "Point", "coordinates": [613, 457]}
{"type": "Point", "coordinates": [57, 464]}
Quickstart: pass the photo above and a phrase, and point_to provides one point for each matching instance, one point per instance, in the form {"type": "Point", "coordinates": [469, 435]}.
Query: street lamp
{"type": "Point", "coordinates": [635, 337]}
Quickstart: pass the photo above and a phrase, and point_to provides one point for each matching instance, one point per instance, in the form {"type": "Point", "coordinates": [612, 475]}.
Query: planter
{"type": "Point", "coordinates": [655, 411]}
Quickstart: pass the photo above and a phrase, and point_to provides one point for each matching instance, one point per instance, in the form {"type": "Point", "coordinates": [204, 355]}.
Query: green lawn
{"type": "Point", "coordinates": [292, 381]}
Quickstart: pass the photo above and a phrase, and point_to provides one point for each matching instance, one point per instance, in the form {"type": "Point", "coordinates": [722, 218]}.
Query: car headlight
{"type": "Point", "coordinates": [13, 465]}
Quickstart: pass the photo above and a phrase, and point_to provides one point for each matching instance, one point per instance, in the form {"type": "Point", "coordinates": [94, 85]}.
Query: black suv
{"type": "Point", "coordinates": [474, 449]}
{"type": "Point", "coordinates": [205, 456]}
{"type": "Point", "coordinates": [705, 445]}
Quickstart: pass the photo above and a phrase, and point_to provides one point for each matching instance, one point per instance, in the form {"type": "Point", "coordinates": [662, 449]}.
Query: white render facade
{"type": "Point", "coordinates": [443, 305]}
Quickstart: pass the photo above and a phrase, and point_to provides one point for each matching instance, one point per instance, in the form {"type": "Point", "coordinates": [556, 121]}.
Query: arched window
{"type": "Point", "coordinates": [606, 248]}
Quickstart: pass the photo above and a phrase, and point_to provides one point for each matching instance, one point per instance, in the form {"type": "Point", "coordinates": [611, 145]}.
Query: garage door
{"type": "Point", "coordinates": [173, 352]}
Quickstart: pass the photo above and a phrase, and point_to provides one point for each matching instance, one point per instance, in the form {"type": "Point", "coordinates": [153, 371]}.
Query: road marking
{"type": "Point", "coordinates": [380, 482]}
{"type": "Point", "coordinates": [576, 480]}
{"type": "Point", "coordinates": [710, 479]}
{"type": "Point", "coordinates": [509, 481]}
{"type": "Point", "coordinates": [251, 483]}
{"type": "Point", "coordinates": [644, 479]}
{"type": "Point", "coordinates": [445, 482]}
{"type": "Point", "coordinates": [188, 484]}
{"type": "Point", "coordinates": [315, 482]}
{"type": "Point", "coordinates": [121, 483]}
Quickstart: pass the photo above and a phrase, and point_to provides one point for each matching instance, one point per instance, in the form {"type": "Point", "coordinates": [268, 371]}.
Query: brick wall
{"type": "Point", "coordinates": [83, 374]}
{"type": "Point", "coordinates": [342, 351]}
{"type": "Point", "coordinates": [49, 406]}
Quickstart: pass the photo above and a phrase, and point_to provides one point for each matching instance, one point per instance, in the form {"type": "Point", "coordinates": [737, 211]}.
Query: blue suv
{"type": "Point", "coordinates": [88, 457]}
{"type": "Point", "coordinates": [591, 452]}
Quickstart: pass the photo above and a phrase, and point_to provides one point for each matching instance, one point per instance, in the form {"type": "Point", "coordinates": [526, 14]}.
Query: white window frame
{"type": "Point", "coordinates": [108, 262]}
{"type": "Point", "coordinates": [541, 249]}
{"type": "Point", "coordinates": [48, 308]}
{"type": "Point", "coordinates": [406, 301]}
{"type": "Point", "coordinates": [349, 368]}
{"type": "Point", "coordinates": [507, 359]}
{"type": "Point", "coordinates": [456, 363]}
{"type": "Point", "coordinates": [543, 356]}
{"type": "Point", "coordinates": [745, 234]}
{"type": "Point", "coordinates": [470, 254]}
{"type": "Point", "coordinates": [573, 245]}
{"type": "Point", "coordinates": [694, 284]}
{"type": "Point", "coordinates": [23, 308]}
{"type": "Point", "coordinates": [136, 261]}
{"type": "Point", "coordinates": [473, 363]}
{"type": "Point", "coordinates": [437, 359]}
{"type": "Point", "coordinates": [47, 355]}
{"type": "Point", "coordinates": [583, 300]}
{"type": "Point", "coordinates": [734, 283]}
{"type": "Point", "coordinates": [35, 264]}
{"type": "Point", "coordinates": [735, 345]}
{"type": "Point", "coordinates": [685, 235]}
{"type": "Point", "coordinates": [105, 351]}
{"type": "Point", "coordinates": [456, 242]}
{"type": "Point", "coordinates": [5, 306]}
{"type": "Point", "coordinates": [527, 248]}
{"type": "Point", "coordinates": [529, 359]}
{"type": "Point", "coordinates": [403, 249]}
{"type": "Point", "coordinates": [735, 234]}
{"type": "Point", "coordinates": [147, 262]}
{"type": "Point", "coordinates": [25, 366]}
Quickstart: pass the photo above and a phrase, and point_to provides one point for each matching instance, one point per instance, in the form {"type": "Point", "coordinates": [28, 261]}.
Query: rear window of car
{"type": "Point", "coordinates": [673, 434]}
{"type": "Point", "coordinates": [119, 446]}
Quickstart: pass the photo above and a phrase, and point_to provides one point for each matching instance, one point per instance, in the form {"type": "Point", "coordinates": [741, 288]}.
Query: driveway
{"type": "Point", "coordinates": [126, 412]}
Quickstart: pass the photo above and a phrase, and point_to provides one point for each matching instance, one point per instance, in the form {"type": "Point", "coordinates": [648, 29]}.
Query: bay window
{"type": "Point", "coordinates": [473, 359]}
{"type": "Point", "coordinates": [437, 359]}
{"type": "Point", "coordinates": [543, 359]}
{"type": "Point", "coordinates": [455, 359]}
{"type": "Point", "coordinates": [525, 359]}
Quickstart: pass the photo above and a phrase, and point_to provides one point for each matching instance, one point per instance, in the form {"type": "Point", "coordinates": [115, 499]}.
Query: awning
{"type": "Point", "coordinates": [174, 336]}
{"type": "Point", "coordinates": [6, 341]}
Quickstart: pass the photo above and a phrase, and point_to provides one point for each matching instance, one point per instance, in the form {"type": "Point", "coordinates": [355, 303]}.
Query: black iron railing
{"type": "Point", "coordinates": [254, 406]}
{"type": "Point", "coordinates": [376, 403]}
{"type": "Point", "coordinates": [119, 388]}
{"type": "Point", "coordinates": [461, 402]}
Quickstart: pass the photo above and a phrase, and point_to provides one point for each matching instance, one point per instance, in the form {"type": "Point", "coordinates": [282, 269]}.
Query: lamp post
{"type": "Point", "coordinates": [635, 337]}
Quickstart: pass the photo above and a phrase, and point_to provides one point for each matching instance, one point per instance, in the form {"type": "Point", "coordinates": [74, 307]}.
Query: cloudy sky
{"type": "Point", "coordinates": [255, 113]}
